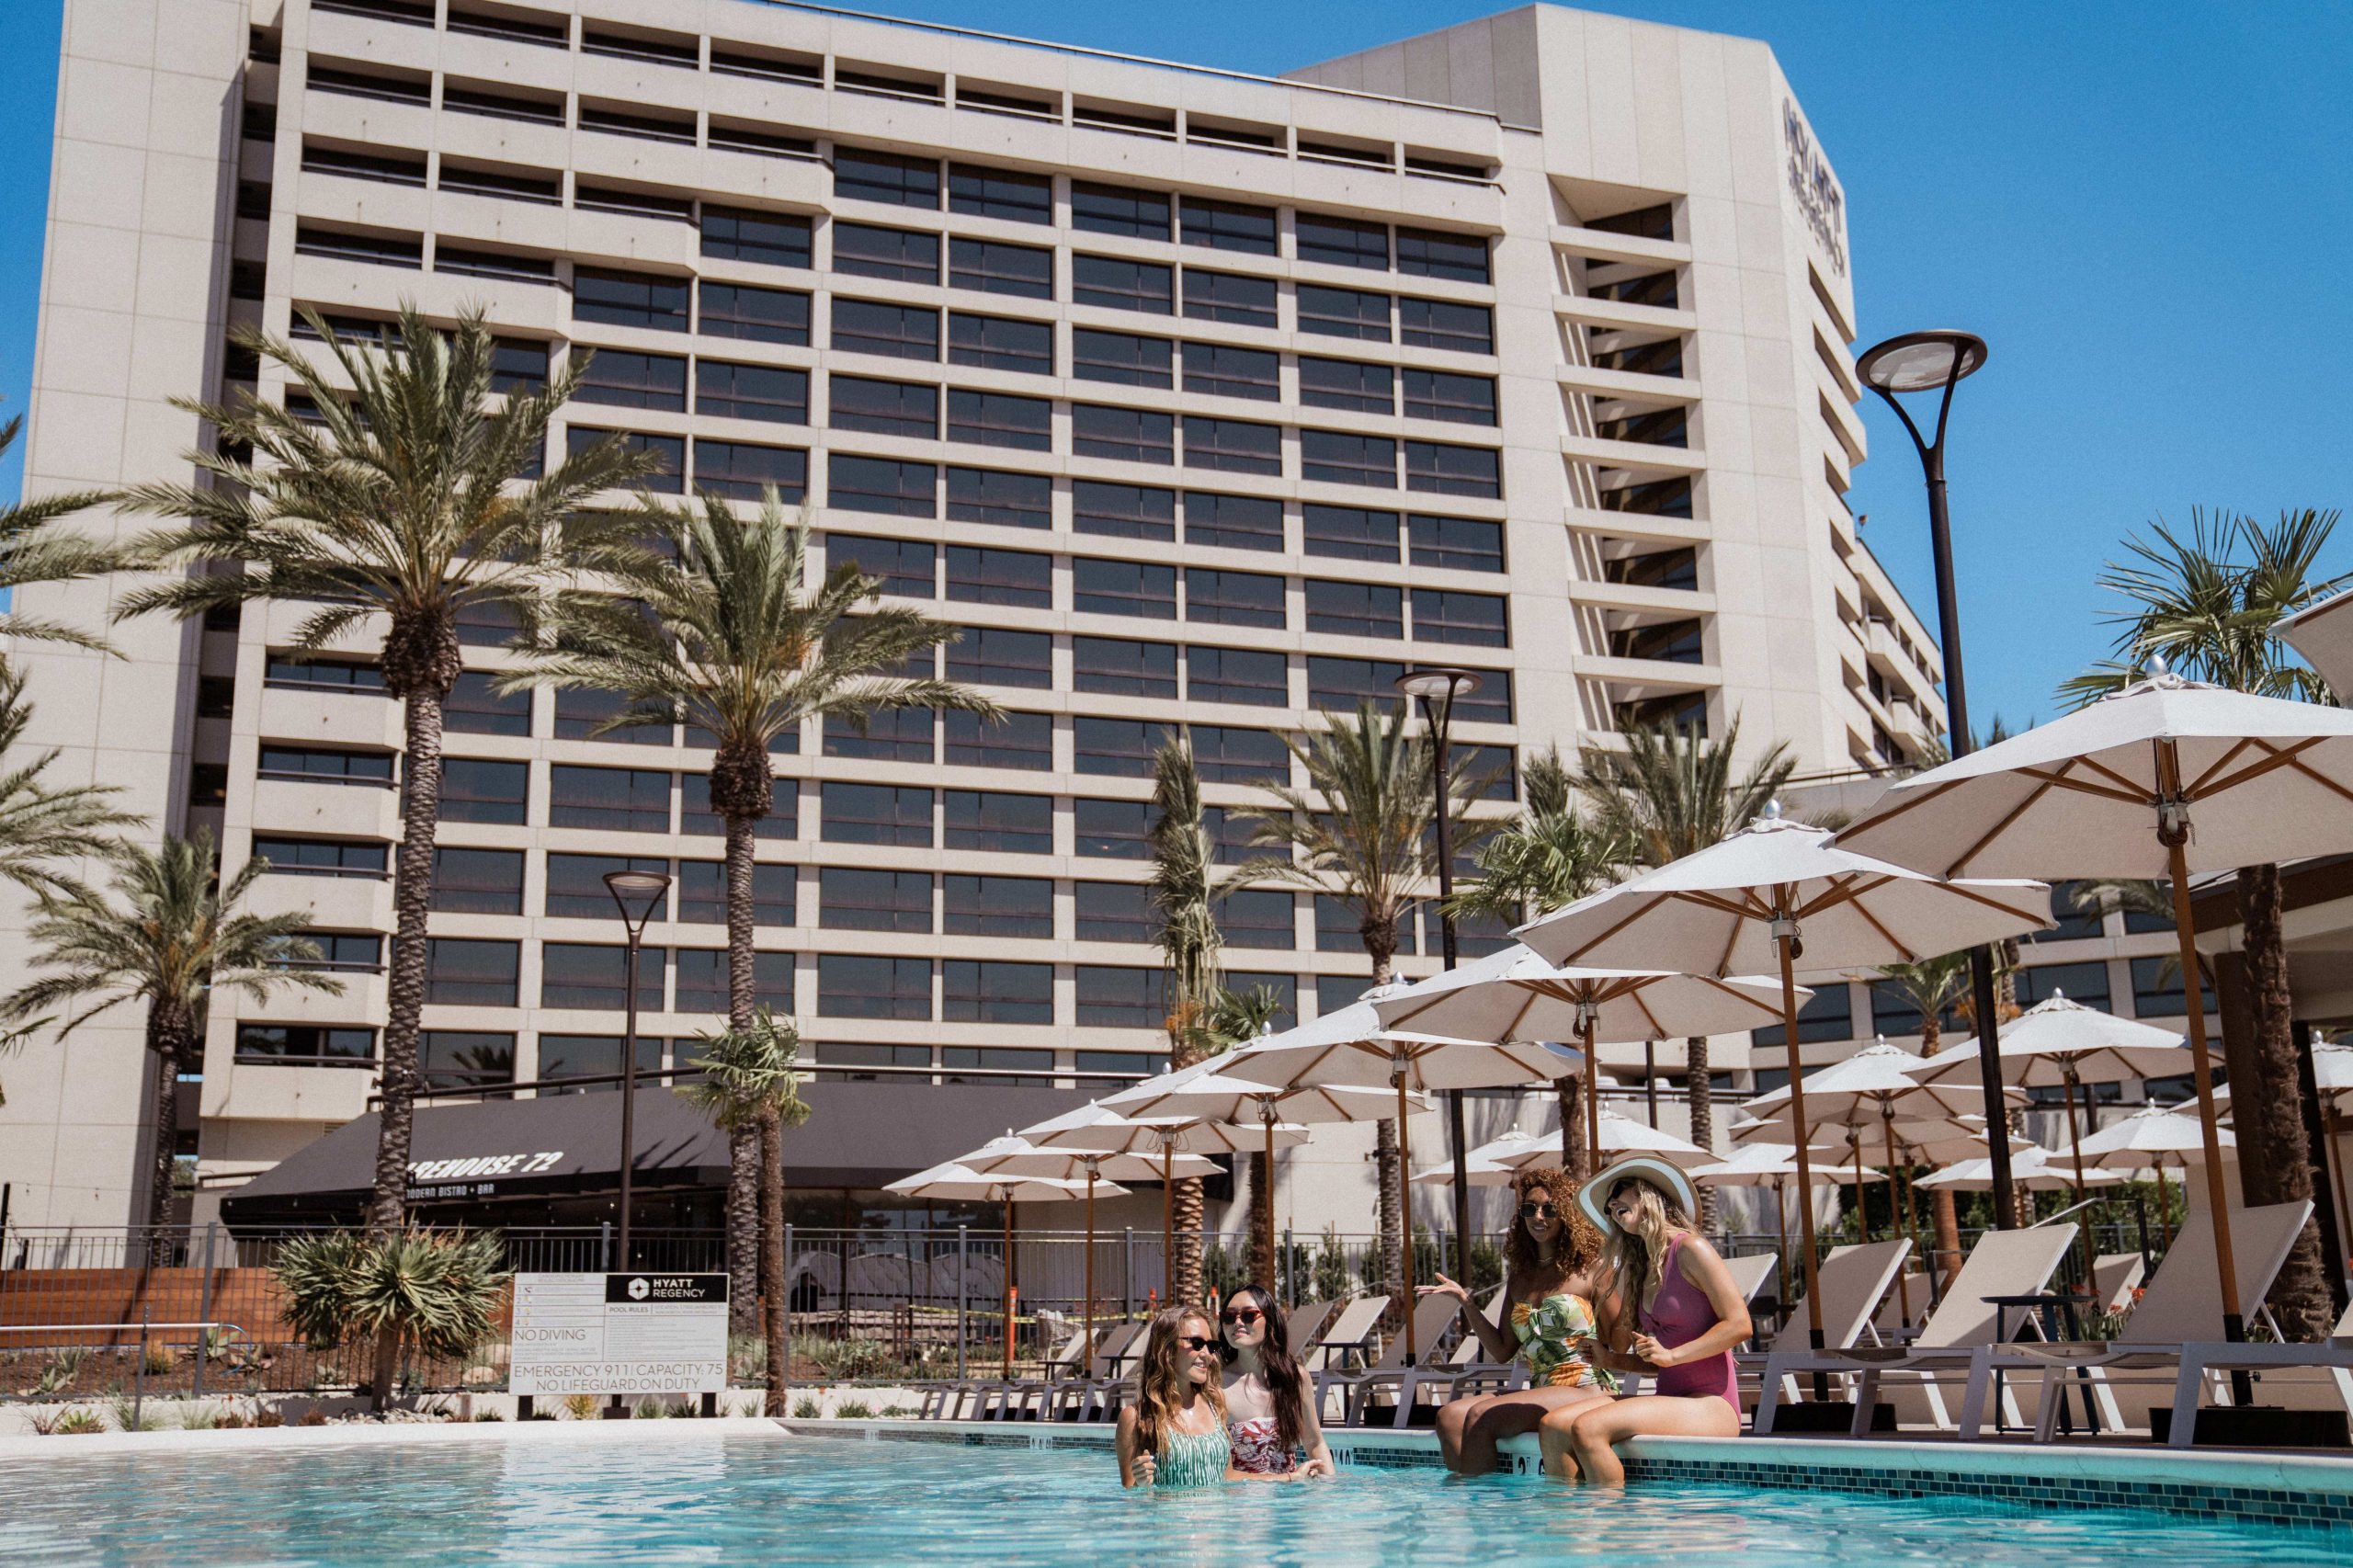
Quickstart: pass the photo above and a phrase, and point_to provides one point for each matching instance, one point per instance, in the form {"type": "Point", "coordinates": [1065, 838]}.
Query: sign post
{"type": "Point", "coordinates": [618, 1333]}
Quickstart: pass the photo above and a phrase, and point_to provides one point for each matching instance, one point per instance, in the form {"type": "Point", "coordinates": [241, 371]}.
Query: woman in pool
{"type": "Point", "coordinates": [1175, 1433]}
{"type": "Point", "coordinates": [1552, 1254]}
{"type": "Point", "coordinates": [1686, 1317]}
{"type": "Point", "coordinates": [1269, 1404]}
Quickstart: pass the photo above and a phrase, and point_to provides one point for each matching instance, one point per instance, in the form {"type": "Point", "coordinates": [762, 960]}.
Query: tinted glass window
{"type": "Point", "coordinates": [889, 408]}
{"type": "Point", "coordinates": [734, 234]}
{"type": "Point", "coordinates": [1118, 209]}
{"type": "Point", "coordinates": [1343, 313]}
{"type": "Point", "coordinates": [1233, 599]}
{"type": "Point", "coordinates": [1011, 824]}
{"type": "Point", "coordinates": [1120, 667]}
{"type": "Point", "coordinates": [1117, 830]}
{"type": "Point", "coordinates": [1342, 457]}
{"type": "Point", "coordinates": [1221, 371]}
{"type": "Point", "coordinates": [1000, 419]}
{"type": "Point", "coordinates": [997, 907]}
{"type": "Point", "coordinates": [1237, 674]}
{"type": "Point", "coordinates": [1347, 384]}
{"type": "Point", "coordinates": [629, 299]}
{"type": "Point", "coordinates": [1229, 225]}
{"type": "Point", "coordinates": [1123, 511]}
{"type": "Point", "coordinates": [883, 485]}
{"type": "Point", "coordinates": [1445, 470]}
{"type": "Point", "coordinates": [777, 394]}
{"type": "Point", "coordinates": [755, 316]}
{"type": "Point", "coordinates": [855, 898]}
{"type": "Point", "coordinates": [1009, 500]}
{"type": "Point", "coordinates": [902, 566]}
{"type": "Point", "coordinates": [1229, 297]}
{"type": "Point", "coordinates": [473, 789]}
{"type": "Point", "coordinates": [876, 814]}
{"type": "Point", "coordinates": [1000, 193]}
{"type": "Point", "coordinates": [860, 176]}
{"type": "Point", "coordinates": [474, 707]}
{"type": "Point", "coordinates": [903, 256]}
{"type": "Point", "coordinates": [898, 331]}
{"type": "Point", "coordinates": [1118, 284]}
{"type": "Point", "coordinates": [1430, 254]}
{"type": "Point", "coordinates": [1441, 324]}
{"type": "Point", "coordinates": [477, 881]}
{"type": "Point", "coordinates": [984, 993]}
{"type": "Point", "coordinates": [1342, 242]}
{"type": "Point", "coordinates": [1121, 358]}
{"type": "Point", "coordinates": [1123, 587]}
{"type": "Point", "coordinates": [1349, 533]}
{"type": "Point", "coordinates": [1233, 522]}
{"type": "Point", "coordinates": [1235, 446]}
{"type": "Point", "coordinates": [1355, 609]}
{"type": "Point", "coordinates": [1001, 343]}
{"type": "Point", "coordinates": [1458, 544]}
{"type": "Point", "coordinates": [1001, 577]}
{"type": "Point", "coordinates": [994, 266]}
{"type": "Point", "coordinates": [1127, 434]}
{"type": "Point", "coordinates": [616, 800]}
{"type": "Point", "coordinates": [997, 655]}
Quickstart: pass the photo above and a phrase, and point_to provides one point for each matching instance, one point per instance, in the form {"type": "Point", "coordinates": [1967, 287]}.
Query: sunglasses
{"type": "Point", "coordinates": [1245, 1316]}
{"type": "Point", "coordinates": [1537, 1212]}
{"type": "Point", "coordinates": [1194, 1342]}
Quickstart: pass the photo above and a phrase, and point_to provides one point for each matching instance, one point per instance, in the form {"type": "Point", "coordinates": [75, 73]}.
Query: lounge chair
{"type": "Point", "coordinates": [1094, 1394]}
{"type": "Point", "coordinates": [1027, 1399]}
{"type": "Point", "coordinates": [2306, 1377]}
{"type": "Point", "coordinates": [1302, 1324]}
{"type": "Point", "coordinates": [2115, 1275]}
{"type": "Point", "coordinates": [1854, 1280]}
{"type": "Point", "coordinates": [2003, 1263]}
{"type": "Point", "coordinates": [1344, 1345]}
{"type": "Point", "coordinates": [1431, 1315]}
{"type": "Point", "coordinates": [2175, 1330]}
{"type": "Point", "coordinates": [1465, 1370]}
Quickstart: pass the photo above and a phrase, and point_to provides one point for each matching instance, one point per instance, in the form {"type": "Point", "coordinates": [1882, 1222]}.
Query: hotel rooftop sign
{"type": "Point", "coordinates": [1819, 199]}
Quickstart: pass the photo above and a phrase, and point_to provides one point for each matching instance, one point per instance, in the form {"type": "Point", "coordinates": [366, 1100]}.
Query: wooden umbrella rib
{"type": "Point", "coordinates": [2291, 757]}
{"type": "Point", "coordinates": [2324, 781]}
{"type": "Point", "coordinates": [1641, 1001]}
{"type": "Point", "coordinates": [1922, 799]}
{"type": "Point", "coordinates": [1732, 940]}
{"type": "Point", "coordinates": [2197, 787]}
{"type": "Point", "coordinates": [1640, 909]}
{"type": "Point", "coordinates": [1885, 935]}
{"type": "Point", "coordinates": [2124, 789]}
{"type": "Point", "coordinates": [2132, 786]}
{"type": "Point", "coordinates": [2001, 826]}
{"type": "Point", "coordinates": [1712, 982]}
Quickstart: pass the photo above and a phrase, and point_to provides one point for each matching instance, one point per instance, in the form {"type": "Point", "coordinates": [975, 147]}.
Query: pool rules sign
{"type": "Point", "coordinates": [620, 1334]}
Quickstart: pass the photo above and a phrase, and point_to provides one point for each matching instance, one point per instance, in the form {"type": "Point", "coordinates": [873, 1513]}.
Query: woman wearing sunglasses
{"type": "Point", "coordinates": [1266, 1398]}
{"type": "Point", "coordinates": [1175, 1433]}
{"type": "Point", "coordinates": [1552, 1254]}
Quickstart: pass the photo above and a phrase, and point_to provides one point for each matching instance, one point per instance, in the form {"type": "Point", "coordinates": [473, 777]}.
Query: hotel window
{"type": "Point", "coordinates": [884, 485]}
{"type": "Point", "coordinates": [669, 453]}
{"type": "Point", "coordinates": [595, 976]}
{"type": "Point", "coordinates": [771, 393]}
{"type": "Point", "coordinates": [1673, 641]}
{"type": "Point", "coordinates": [1258, 917]}
{"type": "Point", "coordinates": [477, 881]}
{"type": "Point", "coordinates": [1001, 577]}
{"type": "Point", "coordinates": [1119, 746]}
{"type": "Point", "coordinates": [1113, 283]}
{"type": "Point", "coordinates": [1229, 225]}
{"type": "Point", "coordinates": [1229, 755]}
{"type": "Point", "coordinates": [1338, 685]}
{"type": "Point", "coordinates": [703, 894]}
{"type": "Point", "coordinates": [1340, 930]}
{"type": "Point", "coordinates": [902, 255]}
{"type": "Point", "coordinates": [384, 89]}
{"type": "Point", "coordinates": [322, 674]}
{"type": "Point", "coordinates": [305, 1045]}
{"type": "Point", "coordinates": [324, 857]}
{"type": "Point", "coordinates": [1445, 470]}
{"type": "Point", "coordinates": [1355, 609]}
{"type": "Point", "coordinates": [2158, 990]}
{"type": "Point", "coordinates": [1115, 911]}
{"type": "Point", "coordinates": [1492, 771]}
{"type": "Point", "coordinates": [981, 192]}
{"type": "Point", "coordinates": [1828, 1014]}
{"type": "Point", "coordinates": [628, 380]}
{"type": "Point", "coordinates": [1285, 988]}
{"type": "Point", "coordinates": [1233, 599]}
{"type": "Point", "coordinates": [1459, 544]}
{"type": "Point", "coordinates": [653, 50]}
{"type": "Point", "coordinates": [1491, 704]}
{"type": "Point", "coordinates": [388, 168]}
{"type": "Point", "coordinates": [696, 817]}
{"type": "Point", "coordinates": [1339, 457]}
{"type": "Point", "coordinates": [591, 1056]}
{"type": "Point", "coordinates": [630, 203]}
{"type": "Point", "coordinates": [1428, 253]}
{"type": "Point", "coordinates": [471, 974]}
{"type": "Point", "coordinates": [1213, 522]}
{"type": "Point", "coordinates": [860, 176]}
{"type": "Point", "coordinates": [1456, 400]}
{"type": "Point", "coordinates": [1216, 370]}
{"type": "Point", "coordinates": [983, 993]}
{"type": "Point", "coordinates": [629, 298]}
{"type": "Point", "coordinates": [1121, 358]}
{"type": "Point", "coordinates": [1112, 830]}
{"type": "Point", "coordinates": [742, 472]}
{"type": "Point", "coordinates": [852, 985]}
{"type": "Point", "coordinates": [1121, 998]}
{"type": "Point", "coordinates": [956, 1058]}
{"type": "Point", "coordinates": [2083, 982]}
{"type": "Point", "coordinates": [886, 408]}
{"type": "Point", "coordinates": [893, 332]}
{"type": "Point", "coordinates": [1256, 676]}
{"type": "Point", "coordinates": [1118, 209]}
{"type": "Point", "coordinates": [1448, 615]}
{"type": "Point", "coordinates": [1349, 533]}
{"type": "Point", "coordinates": [1123, 511]}
{"type": "Point", "coordinates": [1234, 445]}
{"type": "Point", "coordinates": [734, 137]}
{"type": "Point", "coordinates": [1232, 834]}
{"type": "Point", "coordinates": [997, 907]}
{"type": "Point", "coordinates": [1114, 667]}
{"type": "Point", "coordinates": [1229, 297]}
{"type": "Point", "coordinates": [1439, 324]}
{"type": "Point", "coordinates": [994, 266]}
{"type": "Point", "coordinates": [1343, 313]}
{"type": "Point", "coordinates": [499, 185]}
{"type": "Point", "coordinates": [1001, 343]}
{"type": "Point", "coordinates": [996, 655]}
{"type": "Point", "coordinates": [320, 765]}
{"type": "Point", "coordinates": [843, 1054]}
{"type": "Point", "coordinates": [380, 250]}
{"type": "Point", "coordinates": [1127, 434]}
{"type": "Point", "coordinates": [853, 898]}
{"type": "Point", "coordinates": [1018, 740]}
{"type": "Point", "coordinates": [1000, 419]}
{"type": "Point", "coordinates": [755, 316]}
{"type": "Point", "coordinates": [895, 734]}
{"type": "Point", "coordinates": [901, 566]}
{"type": "Point", "coordinates": [876, 814]}
{"type": "Point", "coordinates": [765, 66]}
{"type": "Point", "coordinates": [1123, 587]}
{"type": "Point", "coordinates": [576, 889]}
{"type": "Point", "coordinates": [1342, 242]}
{"type": "Point", "coordinates": [735, 233]}
{"type": "Point", "coordinates": [1350, 384]}
{"type": "Point", "coordinates": [473, 789]}
{"type": "Point", "coordinates": [1007, 500]}
{"type": "Point", "coordinates": [1000, 824]}
{"type": "Point", "coordinates": [615, 800]}
{"type": "Point", "coordinates": [530, 109]}
{"type": "Point", "coordinates": [466, 1059]}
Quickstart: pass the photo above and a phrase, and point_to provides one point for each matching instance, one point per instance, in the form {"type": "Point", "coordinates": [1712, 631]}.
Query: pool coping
{"type": "Point", "coordinates": [2296, 1491]}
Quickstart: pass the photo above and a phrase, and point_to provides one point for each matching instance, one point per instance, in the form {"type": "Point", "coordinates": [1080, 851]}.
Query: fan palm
{"type": "Point", "coordinates": [2208, 602]}
{"type": "Point", "coordinates": [35, 550]}
{"type": "Point", "coordinates": [1184, 930]}
{"type": "Point", "coordinates": [1671, 793]}
{"type": "Point", "coordinates": [1233, 1018]}
{"type": "Point", "coordinates": [1360, 835]}
{"type": "Point", "coordinates": [405, 508]}
{"type": "Point", "coordinates": [43, 823]}
{"type": "Point", "coordinates": [751, 1082]}
{"type": "Point", "coordinates": [166, 932]}
{"type": "Point", "coordinates": [1930, 987]}
{"type": "Point", "coordinates": [716, 623]}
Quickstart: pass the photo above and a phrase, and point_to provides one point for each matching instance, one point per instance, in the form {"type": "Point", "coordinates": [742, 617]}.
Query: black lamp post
{"type": "Point", "coordinates": [1436, 688]}
{"type": "Point", "coordinates": [1927, 361]}
{"type": "Point", "coordinates": [638, 893]}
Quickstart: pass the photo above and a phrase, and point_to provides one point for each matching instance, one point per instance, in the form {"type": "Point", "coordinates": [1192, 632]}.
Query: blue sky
{"type": "Point", "coordinates": [2143, 208]}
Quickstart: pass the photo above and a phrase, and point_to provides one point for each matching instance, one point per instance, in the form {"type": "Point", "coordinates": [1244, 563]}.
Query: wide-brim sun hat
{"type": "Point", "coordinates": [1594, 1194]}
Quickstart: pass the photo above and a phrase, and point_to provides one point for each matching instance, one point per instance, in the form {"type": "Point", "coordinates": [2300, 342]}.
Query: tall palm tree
{"type": "Point", "coordinates": [1548, 858]}
{"type": "Point", "coordinates": [168, 933]}
{"type": "Point", "coordinates": [716, 623]}
{"type": "Point", "coordinates": [1233, 1018]}
{"type": "Point", "coordinates": [1359, 834]}
{"type": "Point", "coordinates": [1671, 793]}
{"type": "Point", "coordinates": [35, 550]}
{"type": "Point", "coordinates": [406, 506]}
{"type": "Point", "coordinates": [43, 823]}
{"type": "Point", "coordinates": [1184, 930]}
{"type": "Point", "coordinates": [751, 1082]}
{"type": "Point", "coordinates": [1929, 987]}
{"type": "Point", "coordinates": [2209, 602]}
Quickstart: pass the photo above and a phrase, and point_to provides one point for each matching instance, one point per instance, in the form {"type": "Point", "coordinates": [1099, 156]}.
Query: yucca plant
{"type": "Point", "coordinates": [436, 1291]}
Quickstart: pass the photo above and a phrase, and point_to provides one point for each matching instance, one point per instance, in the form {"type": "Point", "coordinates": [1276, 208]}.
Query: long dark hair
{"type": "Point", "coordinates": [1282, 1371]}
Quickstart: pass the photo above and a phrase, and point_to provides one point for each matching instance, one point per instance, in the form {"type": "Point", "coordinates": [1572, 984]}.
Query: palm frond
{"type": "Point", "coordinates": [1673, 792]}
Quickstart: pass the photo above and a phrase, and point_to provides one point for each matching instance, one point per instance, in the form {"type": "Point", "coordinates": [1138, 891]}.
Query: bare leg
{"type": "Point", "coordinates": [1501, 1416]}
{"type": "Point", "coordinates": [1453, 1416]}
{"type": "Point", "coordinates": [1593, 1433]}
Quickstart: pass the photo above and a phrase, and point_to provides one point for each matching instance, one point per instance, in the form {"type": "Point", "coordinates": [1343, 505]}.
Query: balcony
{"type": "Point", "coordinates": [329, 903]}
{"type": "Point", "coordinates": [1600, 244]}
{"type": "Point", "coordinates": [338, 811]}
{"type": "Point", "coordinates": [370, 722]}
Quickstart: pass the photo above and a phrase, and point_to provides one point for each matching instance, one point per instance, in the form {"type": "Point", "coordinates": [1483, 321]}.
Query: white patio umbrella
{"type": "Point", "coordinates": [1015, 1154]}
{"type": "Point", "coordinates": [1209, 1090]}
{"type": "Point", "coordinates": [1771, 895]}
{"type": "Point", "coordinates": [2115, 790]}
{"type": "Point", "coordinates": [1517, 995]}
{"type": "Point", "coordinates": [1481, 1171]}
{"type": "Point", "coordinates": [2333, 1079]}
{"type": "Point", "coordinates": [1616, 1135]}
{"type": "Point", "coordinates": [2031, 1169]}
{"type": "Point", "coordinates": [2142, 1139]}
{"type": "Point", "coordinates": [957, 1183]}
{"type": "Point", "coordinates": [1774, 1165]}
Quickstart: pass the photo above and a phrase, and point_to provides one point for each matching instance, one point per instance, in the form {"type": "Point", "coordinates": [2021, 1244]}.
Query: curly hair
{"type": "Point", "coordinates": [1580, 1245]}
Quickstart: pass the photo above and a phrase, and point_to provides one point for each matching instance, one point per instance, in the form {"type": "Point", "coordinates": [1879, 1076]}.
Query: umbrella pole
{"type": "Point", "coordinates": [1805, 1166]}
{"type": "Point", "coordinates": [2076, 1140]}
{"type": "Point", "coordinates": [1781, 1230]}
{"type": "Point", "coordinates": [1274, 1267]}
{"type": "Point", "coordinates": [1592, 1103]}
{"type": "Point", "coordinates": [1009, 1285]}
{"type": "Point", "coordinates": [2334, 1163]}
{"type": "Point", "coordinates": [1855, 1152]}
{"type": "Point", "coordinates": [1087, 1273]}
{"type": "Point", "coordinates": [2185, 933]}
{"type": "Point", "coordinates": [2165, 1200]}
{"type": "Point", "coordinates": [1903, 1276]}
{"type": "Point", "coordinates": [1167, 1221]}
{"type": "Point", "coordinates": [1404, 1218]}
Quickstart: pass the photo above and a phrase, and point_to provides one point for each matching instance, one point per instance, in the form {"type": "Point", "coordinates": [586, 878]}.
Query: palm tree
{"type": "Point", "coordinates": [751, 1082]}
{"type": "Point", "coordinates": [1359, 834]}
{"type": "Point", "coordinates": [35, 550]}
{"type": "Point", "coordinates": [165, 933]}
{"type": "Point", "coordinates": [1672, 794]}
{"type": "Point", "coordinates": [1234, 1017]}
{"type": "Point", "coordinates": [42, 824]}
{"type": "Point", "coordinates": [408, 502]}
{"type": "Point", "coordinates": [1549, 856]}
{"type": "Point", "coordinates": [1929, 987]}
{"type": "Point", "coordinates": [1186, 934]}
{"type": "Point", "coordinates": [716, 624]}
{"type": "Point", "coordinates": [2209, 603]}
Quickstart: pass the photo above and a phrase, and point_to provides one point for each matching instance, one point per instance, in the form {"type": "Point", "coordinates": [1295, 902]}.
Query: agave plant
{"type": "Point", "coordinates": [437, 1291]}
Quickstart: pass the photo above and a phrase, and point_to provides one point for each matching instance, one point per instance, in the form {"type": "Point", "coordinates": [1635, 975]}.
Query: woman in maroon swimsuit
{"type": "Point", "coordinates": [1687, 1313]}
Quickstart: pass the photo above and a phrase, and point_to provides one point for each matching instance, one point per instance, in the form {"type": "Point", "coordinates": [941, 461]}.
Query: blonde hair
{"type": "Point", "coordinates": [1160, 1391]}
{"type": "Point", "coordinates": [1638, 1256]}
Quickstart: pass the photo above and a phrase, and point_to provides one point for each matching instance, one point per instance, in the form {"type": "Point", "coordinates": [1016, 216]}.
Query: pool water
{"type": "Point", "coordinates": [753, 1499]}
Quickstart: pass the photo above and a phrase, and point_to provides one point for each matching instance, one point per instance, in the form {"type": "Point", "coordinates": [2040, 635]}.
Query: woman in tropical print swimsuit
{"type": "Point", "coordinates": [1270, 1411]}
{"type": "Point", "coordinates": [1551, 1255]}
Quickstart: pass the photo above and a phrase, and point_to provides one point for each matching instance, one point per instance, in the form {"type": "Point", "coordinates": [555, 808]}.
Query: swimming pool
{"type": "Point", "coordinates": [745, 1497]}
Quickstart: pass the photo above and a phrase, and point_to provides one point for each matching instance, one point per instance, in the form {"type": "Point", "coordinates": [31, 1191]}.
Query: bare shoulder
{"type": "Point", "coordinates": [1697, 1258]}
{"type": "Point", "coordinates": [1127, 1430]}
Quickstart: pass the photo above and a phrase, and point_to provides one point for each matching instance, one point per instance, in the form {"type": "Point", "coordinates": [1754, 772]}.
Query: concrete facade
{"type": "Point", "coordinates": [1523, 347]}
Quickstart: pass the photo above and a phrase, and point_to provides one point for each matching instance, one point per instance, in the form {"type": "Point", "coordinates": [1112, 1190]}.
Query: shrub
{"type": "Point", "coordinates": [199, 1418]}
{"type": "Point", "coordinates": [161, 1359]}
{"type": "Point", "coordinates": [313, 1416]}
{"type": "Point", "coordinates": [806, 1408]}
{"type": "Point", "coordinates": [77, 1422]}
{"type": "Point", "coordinates": [853, 1410]}
{"type": "Point", "coordinates": [1333, 1281]}
{"type": "Point", "coordinates": [437, 1290]}
{"type": "Point", "coordinates": [580, 1406]}
{"type": "Point", "coordinates": [60, 1374]}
